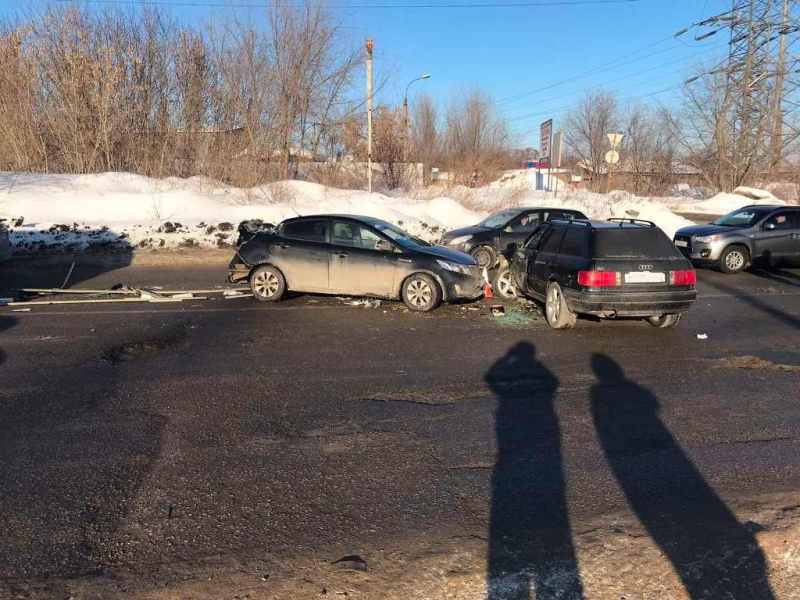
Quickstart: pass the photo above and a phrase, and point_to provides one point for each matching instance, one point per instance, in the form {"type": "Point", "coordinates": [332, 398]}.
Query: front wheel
{"type": "Point", "coordinates": [664, 321]}
{"type": "Point", "coordinates": [421, 293]}
{"type": "Point", "coordinates": [558, 314]}
{"type": "Point", "coordinates": [733, 259]}
{"type": "Point", "coordinates": [485, 256]}
{"type": "Point", "coordinates": [503, 285]}
{"type": "Point", "coordinates": [267, 284]}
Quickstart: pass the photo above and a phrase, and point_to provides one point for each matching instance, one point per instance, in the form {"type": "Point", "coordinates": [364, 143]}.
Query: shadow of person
{"type": "Point", "coordinates": [531, 554]}
{"type": "Point", "coordinates": [714, 554]}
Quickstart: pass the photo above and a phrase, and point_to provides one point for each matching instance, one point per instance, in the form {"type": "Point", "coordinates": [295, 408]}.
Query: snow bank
{"type": "Point", "coordinates": [120, 210]}
{"type": "Point", "coordinates": [76, 211]}
{"type": "Point", "coordinates": [724, 202]}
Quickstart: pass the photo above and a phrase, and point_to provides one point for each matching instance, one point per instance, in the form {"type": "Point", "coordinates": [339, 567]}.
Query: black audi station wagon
{"type": "Point", "coordinates": [614, 268]}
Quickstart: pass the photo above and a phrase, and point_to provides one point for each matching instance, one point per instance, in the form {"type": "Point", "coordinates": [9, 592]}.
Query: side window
{"type": "Point", "coordinates": [525, 222]}
{"type": "Point", "coordinates": [575, 241]}
{"type": "Point", "coordinates": [552, 243]}
{"type": "Point", "coordinates": [350, 234]}
{"type": "Point", "coordinates": [782, 220]}
{"type": "Point", "coordinates": [312, 230]}
{"type": "Point", "coordinates": [537, 238]}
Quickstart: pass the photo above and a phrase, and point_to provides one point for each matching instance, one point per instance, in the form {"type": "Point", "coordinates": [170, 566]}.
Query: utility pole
{"type": "Point", "coordinates": [370, 45]}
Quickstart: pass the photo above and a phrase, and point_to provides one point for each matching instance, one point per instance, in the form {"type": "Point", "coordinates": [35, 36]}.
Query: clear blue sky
{"type": "Point", "coordinates": [510, 51]}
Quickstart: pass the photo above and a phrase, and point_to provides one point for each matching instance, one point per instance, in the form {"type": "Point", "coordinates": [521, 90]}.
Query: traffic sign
{"type": "Point", "coordinates": [612, 157]}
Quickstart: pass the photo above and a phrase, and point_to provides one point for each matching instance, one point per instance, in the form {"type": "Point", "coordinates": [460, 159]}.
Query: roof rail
{"type": "Point", "coordinates": [623, 220]}
{"type": "Point", "coordinates": [568, 221]}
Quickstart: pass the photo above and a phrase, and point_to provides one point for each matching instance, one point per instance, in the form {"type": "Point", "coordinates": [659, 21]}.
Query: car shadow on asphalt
{"type": "Point", "coordinates": [530, 541]}
{"type": "Point", "coordinates": [714, 554]}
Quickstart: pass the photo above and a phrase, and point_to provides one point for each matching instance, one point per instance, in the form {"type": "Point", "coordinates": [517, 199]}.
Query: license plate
{"type": "Point", "coordinates": [682, 243]}
{"type": "Point", "coordinates": [644, 277]}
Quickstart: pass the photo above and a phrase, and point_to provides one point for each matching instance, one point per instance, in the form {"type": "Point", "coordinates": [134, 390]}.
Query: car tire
{"type": "Point", "coordinates": [734, 259]}
{"type": "Point", "coordinates": [556, 311]}
{"type": "Point", "coordinates": [664, 321]}
{"type": "Point", "coordinates": [502, 284]}
{"type": "Point", "coordinates": [267, 284]}
{"type": "Point", "coordinates": [485, 256]}
{"type": "Point", "coordinates": [421, 293]}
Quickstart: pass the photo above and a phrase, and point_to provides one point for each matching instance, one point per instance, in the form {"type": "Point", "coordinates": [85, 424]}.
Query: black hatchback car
{"type": "Point", "coordinates": [487, 239]}
{"type": "Point", "coordinates": [354, 255]}
{"type": "Point", "coordinates": [615, 268]}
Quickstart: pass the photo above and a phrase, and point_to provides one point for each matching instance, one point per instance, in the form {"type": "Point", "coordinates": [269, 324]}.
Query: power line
{"type": "Point", "coordinates": [598, 69]}
{"type": "Point", "coordinates": [360, 6]}
{"type": "Point", "coordinates": [672, 62]}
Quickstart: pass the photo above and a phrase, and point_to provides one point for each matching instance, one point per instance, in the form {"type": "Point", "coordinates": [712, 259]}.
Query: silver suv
{"type": "Point", "coordinates": [759, 233]}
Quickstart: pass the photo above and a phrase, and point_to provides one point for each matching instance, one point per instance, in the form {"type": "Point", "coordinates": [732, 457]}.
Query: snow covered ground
{"type": "Point", "coordinates": [724, 202]}
{"type": "Point", "coordinates": [120, 210]}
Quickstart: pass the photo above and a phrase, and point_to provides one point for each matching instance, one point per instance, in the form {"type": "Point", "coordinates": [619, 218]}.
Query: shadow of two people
{"type": "Point", "coordinates": [531, 548]}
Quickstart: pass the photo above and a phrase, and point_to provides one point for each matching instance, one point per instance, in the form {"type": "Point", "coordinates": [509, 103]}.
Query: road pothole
{"type": "Point", "coordinates": [141, 349]}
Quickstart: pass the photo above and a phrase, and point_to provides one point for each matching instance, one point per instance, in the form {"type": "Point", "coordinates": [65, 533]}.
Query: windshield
{"type": "Point", "coordinates": [497, 219]}
{"type": "Point", "coordinates": [398, 235]}
{"type": "Point", "coordinates": [744, 217]}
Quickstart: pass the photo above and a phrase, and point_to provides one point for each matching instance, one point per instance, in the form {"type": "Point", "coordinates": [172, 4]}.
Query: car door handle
{"type": "Point", "coordinates": [342, 254]}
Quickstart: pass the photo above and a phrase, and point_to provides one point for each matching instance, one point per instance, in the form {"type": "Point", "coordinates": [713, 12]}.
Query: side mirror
{"type": "Point", "coordinates": [384, 246]}
{"type": "Point", "coordinates": [769, 227]}
{"type": "Point", "coordinates": [508, 229]}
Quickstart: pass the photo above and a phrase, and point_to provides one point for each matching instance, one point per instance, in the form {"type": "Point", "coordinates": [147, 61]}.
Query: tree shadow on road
{"type": "Point", "coordinates": [531, 553]}
{"type": "Point", "coordinates": [714, 554]}
{"type": "Point", "coordinates": [781, 276]}
{"type": "Point", "coordinates": [757, 303]}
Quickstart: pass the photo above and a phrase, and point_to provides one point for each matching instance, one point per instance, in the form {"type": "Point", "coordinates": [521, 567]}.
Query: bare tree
{"type": "Point", "coordinates": [426, 146]}
{"type": "Point", "coordinates": [476, 139]}
{"type": "Point", "coordinates": [585, 130]}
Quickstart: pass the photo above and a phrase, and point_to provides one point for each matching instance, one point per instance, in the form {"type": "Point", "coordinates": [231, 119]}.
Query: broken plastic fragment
{"type": "Point", "coordinates": [702, 336]}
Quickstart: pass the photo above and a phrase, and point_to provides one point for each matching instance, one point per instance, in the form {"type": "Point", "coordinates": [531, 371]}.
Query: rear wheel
{"type": "Point", "coordinates": [664, 321]}
{"type": "Point", "coordinates": [503, 285]}
{"type": "Point", "coordinates": [485, 256]}
{"type": "Point", "coordinates": [733, 259]}
{"type": "Point", "coordinates": [267, 284]}
{"type": "Point", "coordinates": [558, 314]}
{"type": "Point", "coordinates": [421, 292]}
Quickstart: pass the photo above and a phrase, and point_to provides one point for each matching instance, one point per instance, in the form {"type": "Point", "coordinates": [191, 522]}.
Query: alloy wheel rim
{"type": "Point", "coordinates": [553, 304]}
{"type": "Point", "coordinates": [734, 260]}
{"type": "Point", "coordinates": [419, 292]}
{"type": "Point", "coordinates": [267, 284]}
{"type": "Point", "coordinates": [504, 285]}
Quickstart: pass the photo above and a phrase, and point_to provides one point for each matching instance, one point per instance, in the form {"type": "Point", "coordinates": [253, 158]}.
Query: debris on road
{"type": "Point", "coordinates": [702, 336]}
{"type": "Point", "coordinates": [498, 310]}
{"type": "Point", "coordinates": [21, 310]}
{"type": "Point", "coordinates": [365, 302]}
{"type": "Point", "coordinates": [352, 562]}
{"type": "Point", "coordinates": [131, 294]}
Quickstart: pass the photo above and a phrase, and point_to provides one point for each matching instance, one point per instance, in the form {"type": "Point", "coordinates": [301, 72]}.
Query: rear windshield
{"type": "Point", "coordinates": [633, 243]}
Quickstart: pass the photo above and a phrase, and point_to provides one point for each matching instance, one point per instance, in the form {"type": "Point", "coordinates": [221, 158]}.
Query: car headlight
{"type": "Point", "coordinates": [459, 240]}
{"type": "Point", "coordinates": [707, 239]}
{"type": "Point", "coordinates": [454, 267]}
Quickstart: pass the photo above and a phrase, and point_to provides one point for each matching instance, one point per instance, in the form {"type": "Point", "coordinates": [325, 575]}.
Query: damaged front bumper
{"type": "Point", "coordinates": [462, 287]}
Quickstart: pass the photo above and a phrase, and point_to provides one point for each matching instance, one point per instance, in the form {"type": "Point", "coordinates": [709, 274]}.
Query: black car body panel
{"type": "Point", "coordinates": [522, 222]}
{"type": "Point", "coordinates": [558, 251]}
{"type": "Point", "coordinates": [705, 244]}
{"type": "Point", "coordinates": [338, 254]}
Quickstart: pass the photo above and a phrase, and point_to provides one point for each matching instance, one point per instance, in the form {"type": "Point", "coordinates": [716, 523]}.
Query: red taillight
{"type": "Point", "coordinates": [598, 278]}
{"type": "Point", "coordinates": [687, 277]}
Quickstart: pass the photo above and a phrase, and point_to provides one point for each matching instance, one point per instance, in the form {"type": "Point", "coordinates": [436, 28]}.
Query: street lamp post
{"type": "Point", "coordinates": [405, 117]}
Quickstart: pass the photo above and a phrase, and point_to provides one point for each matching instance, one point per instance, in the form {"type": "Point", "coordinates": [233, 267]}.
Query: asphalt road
{"type": "Point", "coordinates": [149, 434]}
